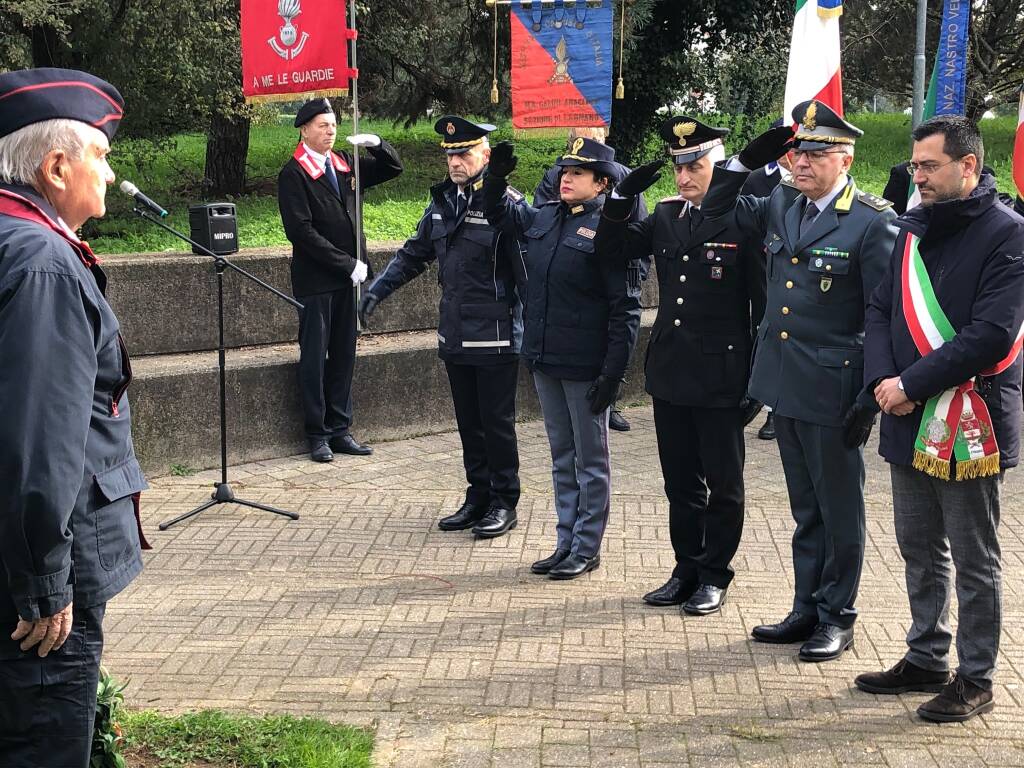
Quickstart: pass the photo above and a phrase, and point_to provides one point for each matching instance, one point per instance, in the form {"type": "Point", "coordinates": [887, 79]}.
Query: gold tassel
{"type": "Point", "coordinates": [494, 91]}
{"type": "Point", "coordinates": [620, 90]}
{"type": "Point", "coordinates": [983, 467]}
{"type": "Point", "coordinates": [931, 465]}
{"type": "Point", "coordinates": [620, 87]}
{"type": "Point", "coordinates": [494, 80]}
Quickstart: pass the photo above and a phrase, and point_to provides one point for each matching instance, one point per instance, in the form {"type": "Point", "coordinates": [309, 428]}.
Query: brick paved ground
{"type": "Point", "coordinates": [362, 611]}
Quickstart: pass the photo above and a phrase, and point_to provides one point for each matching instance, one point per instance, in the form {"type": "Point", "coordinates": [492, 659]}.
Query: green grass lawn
{"type": "Point", "coordinates": [172, 173]}
{"type": "Point", "coordinates": [218, 740]}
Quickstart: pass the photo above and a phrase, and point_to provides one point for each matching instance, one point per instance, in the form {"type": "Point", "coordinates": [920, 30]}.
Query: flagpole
{"type": "Point", "coordinates": [354, 64]}
{"type": "Point", "coordinates": [919, 56]}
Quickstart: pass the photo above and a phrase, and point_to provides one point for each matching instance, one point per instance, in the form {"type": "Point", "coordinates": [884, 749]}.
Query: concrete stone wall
{"type": "Point", "coordinates": [167, 307]}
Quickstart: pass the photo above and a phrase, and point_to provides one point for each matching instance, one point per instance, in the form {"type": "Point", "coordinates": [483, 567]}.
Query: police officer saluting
{"type": "Point", "coordinates": [698, 356]}
{"type": "Point", "coordinates": [479, 327]}
{"type": "Point", "coordinates": [827, 246]}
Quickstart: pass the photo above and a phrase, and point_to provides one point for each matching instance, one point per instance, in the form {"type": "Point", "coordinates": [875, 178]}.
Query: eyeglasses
{"type": "Point", "coordinates": [815, 155]}
{"type": "Point", "coordinates": [929, 167]}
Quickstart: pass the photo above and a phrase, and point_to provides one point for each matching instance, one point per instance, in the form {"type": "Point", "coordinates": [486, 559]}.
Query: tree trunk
{"type": "Point", "coordinates": [227, 146]}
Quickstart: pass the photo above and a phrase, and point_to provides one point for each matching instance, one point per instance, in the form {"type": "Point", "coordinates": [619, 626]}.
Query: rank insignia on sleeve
{"type": "Point", "coordinates": [587, 233]}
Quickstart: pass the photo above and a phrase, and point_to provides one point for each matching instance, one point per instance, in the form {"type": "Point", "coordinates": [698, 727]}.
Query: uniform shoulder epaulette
{"type": "Point", "coordinates": [873, 201]}
{"type": "Point", "coordinates": [514, 194]}
{"type": "Point", "coordinates": [673, 199]}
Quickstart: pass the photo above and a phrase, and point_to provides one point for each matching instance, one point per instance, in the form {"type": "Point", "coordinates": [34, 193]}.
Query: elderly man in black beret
{"type": "Point", "coordinates": [316, 192]}
{"type": "Point", "coordinates": [69, 535]}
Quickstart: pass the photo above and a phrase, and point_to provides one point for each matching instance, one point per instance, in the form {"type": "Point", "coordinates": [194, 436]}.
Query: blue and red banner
{"type": "Point", "coordinates": [561, 64]}
{"type": "Point", "coordinates": [951, 63]}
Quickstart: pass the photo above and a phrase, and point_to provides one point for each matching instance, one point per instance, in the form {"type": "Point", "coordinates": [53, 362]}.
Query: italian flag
{"type": "Point", "coordinates": [814, 70]}
{"type": "Point", "coordinates": [1018, 148]}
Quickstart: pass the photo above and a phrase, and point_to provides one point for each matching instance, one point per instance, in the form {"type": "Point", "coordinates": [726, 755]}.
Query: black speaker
{"type": "Point", "coordinates": [214, 226]}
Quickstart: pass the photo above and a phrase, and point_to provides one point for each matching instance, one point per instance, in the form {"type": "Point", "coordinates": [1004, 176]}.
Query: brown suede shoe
{"type": "Point", "coordinates": [902, 678]}
{"type": "Point", "coordinates": [960, 700]}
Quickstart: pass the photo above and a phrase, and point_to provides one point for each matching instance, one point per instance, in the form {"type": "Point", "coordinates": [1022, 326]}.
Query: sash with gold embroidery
{"type": "Point", "coordinates": [956, 423]}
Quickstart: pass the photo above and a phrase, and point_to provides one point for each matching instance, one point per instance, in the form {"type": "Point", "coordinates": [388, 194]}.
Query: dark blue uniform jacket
{"type": "Point", "coordinates": [67, 467]}
{"type": "Point", "coordinates": [973, 250]}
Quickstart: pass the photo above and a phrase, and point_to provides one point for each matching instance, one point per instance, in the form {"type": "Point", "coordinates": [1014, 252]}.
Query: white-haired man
{"type": "Point", "coordinates": [69, 535]}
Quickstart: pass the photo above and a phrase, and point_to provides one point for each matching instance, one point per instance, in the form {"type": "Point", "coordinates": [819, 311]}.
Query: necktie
{"type": "Point", "coordinates": [696, 219]}
{"type": "Point", "coordinates": [332, 177]}
{"type": "Point", "coordinates": [810, 214]}
{"type": "Point", "coordinates": [460, 201]}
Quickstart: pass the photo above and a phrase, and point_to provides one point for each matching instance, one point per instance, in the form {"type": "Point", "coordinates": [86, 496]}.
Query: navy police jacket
{"type": "Point", "coordinates": [68, 525]}
{"type": "Point", "coordinates": [319, 222]}
{"type": "Point", "coordinates": [582, 313]}
{"type": "Point", "coordinates": [480, 271]}
{"type": "Point", "coordinates": [973, 250]}
{"type": "Point", "coordinates": [809, 351]}
{"type": "Point", "coordinates": [711, 296]}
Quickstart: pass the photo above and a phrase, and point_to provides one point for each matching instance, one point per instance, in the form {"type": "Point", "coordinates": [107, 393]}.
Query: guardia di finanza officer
{"type": "Point", "coordinates": [698, 356]}
{"type": "Point", "coordinates": [69, 535]}
{"type": "Point", "coordinates": [316, 194]}
{"type": "Point", "coordinates": [827, 245]}
{"type": "Point", "coordinates": [479, 329]}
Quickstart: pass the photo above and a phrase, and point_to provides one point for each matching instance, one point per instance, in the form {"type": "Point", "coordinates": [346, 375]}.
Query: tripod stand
{"type": "Point", "coordinates": [222, 491]}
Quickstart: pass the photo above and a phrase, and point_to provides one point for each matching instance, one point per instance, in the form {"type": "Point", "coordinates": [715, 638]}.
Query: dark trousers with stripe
{"type": "Point", "coordinates": [327, 356]}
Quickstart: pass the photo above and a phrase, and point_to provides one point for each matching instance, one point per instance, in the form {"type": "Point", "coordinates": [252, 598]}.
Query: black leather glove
{"type": "Point", "coordinates": [367, 304]}
{"type": "Point", "coordinates": [857, 424]}
{"type": "Point", "coordinates": [602, 393]}
{"type": "Point", "coordinates": [750, 409]}
{"type": "Point", "coordinates": [641, 179]}
{"type": "Point", "coordinates": [503, 159]}
{"type": "Point", "coordinates": [768, 147]}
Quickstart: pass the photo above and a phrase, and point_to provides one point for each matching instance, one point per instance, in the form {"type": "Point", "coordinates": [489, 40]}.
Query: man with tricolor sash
{"type": "Point", "coordinates": [942, 352]}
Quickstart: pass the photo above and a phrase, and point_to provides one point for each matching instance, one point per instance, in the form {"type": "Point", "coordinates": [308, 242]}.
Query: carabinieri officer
{"type": "Point", "coordinates": [698, 357]}
{"type": "Point", "coordinates": [479, 326]}
{"type": "Point", "coordinates": [582, 317]}
{"type": "Point", "coordinates": [827, 246]}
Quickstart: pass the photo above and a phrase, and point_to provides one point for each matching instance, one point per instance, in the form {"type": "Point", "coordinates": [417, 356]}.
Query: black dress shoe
{"type": "Point", "coordinates": [320, 451]}
{"type": "Point", "coordinates": [617, 422]}
{"type": "Point", "coordinates": [347, 444]}
{"type": "Point", "coordinates": [795, 628]}
{"type": "Point", "coordinates": [675, 591]}
{"type": "Point", "coordinates": [767, 431]}
{"type": "Point", "coordinates": [828, 642]}
{"type": "Point", "coordinates": [467, 516]}
{"type": "Point", "coordinates": [545, 565]}
{"type": "Point", "coordinates": [497, 522]}
{"type": "Point", "coordinates": [706, 599]}
{"type": "Point", "coordinates": [902, 678]}
{"type": "Point", "coordinates": [574, 566]}
{"type": "Point", "coordinates": [960, 700]}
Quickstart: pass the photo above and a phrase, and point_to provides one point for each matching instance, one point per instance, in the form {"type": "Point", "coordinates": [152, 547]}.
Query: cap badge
{"type": "Point", "coordinates": [682, 130]}
{"type": "Point", "coordinates": [811, 116]}
{"type": "Point", "coordinates": [450, 128]}
{"type": "Point", "coordinates": [576, 147]}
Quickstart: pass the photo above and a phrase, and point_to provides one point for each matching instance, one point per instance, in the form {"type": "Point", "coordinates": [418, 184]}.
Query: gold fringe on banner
{"type": "Point", "coordinates": [983, 467]}
{"type": "Point", "coordinates": [830, 13]}
{"type": "Point", "coordinates": [329, 93]}
{"type": "Point", "coordinates": [494, 81]}
{"type": "Point", "coordinates": [931, 465]}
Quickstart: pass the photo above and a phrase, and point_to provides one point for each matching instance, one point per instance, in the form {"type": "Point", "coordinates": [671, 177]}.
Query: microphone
{"type": "Point", "coordinates": [132, 191]}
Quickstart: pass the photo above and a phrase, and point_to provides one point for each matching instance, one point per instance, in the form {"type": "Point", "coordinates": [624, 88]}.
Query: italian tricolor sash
{"type": "Point", "coordinates": [955, 422]}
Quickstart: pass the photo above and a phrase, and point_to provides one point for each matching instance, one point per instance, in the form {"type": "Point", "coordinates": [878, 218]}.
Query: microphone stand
{"type": "Point", "coordinates": [222, 491]}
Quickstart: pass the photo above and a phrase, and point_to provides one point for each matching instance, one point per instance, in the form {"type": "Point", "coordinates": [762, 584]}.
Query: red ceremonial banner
{"type": "Point", "coordinates": [294, 48]}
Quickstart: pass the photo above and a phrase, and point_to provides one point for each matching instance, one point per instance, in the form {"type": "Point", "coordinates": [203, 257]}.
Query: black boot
{"type": "Point", "coordinates": [902, 678]}
{"type": "Point", "coordinates": [767, 431]}
{"type": "Point", "coordinates": [960, 700]}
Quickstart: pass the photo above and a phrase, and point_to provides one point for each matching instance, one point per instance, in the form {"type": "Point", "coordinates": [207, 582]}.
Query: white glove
{"type": "Point", "coordinates": [359, 273]}
{"type": "Point", "coordinates": [364, 140]}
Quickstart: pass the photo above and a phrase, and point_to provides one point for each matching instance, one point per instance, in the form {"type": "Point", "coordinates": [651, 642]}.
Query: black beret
{"type": "Point", "coordinates": [30, 96]}
{"type": "Point", "coordinates": [311, 109]}
{"type": "Point", "coordinates": [460, 135]}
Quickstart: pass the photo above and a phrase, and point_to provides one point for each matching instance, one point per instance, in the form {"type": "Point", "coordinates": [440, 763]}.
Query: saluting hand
{"type": "Point", "coordinates": [639, 180]}
{"type": "Point", "coordinates": [48, 632]}
{"type": "Point", "coordinates": [503, 159]}
{"type": "Point", "coordinates": [768, 147]}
